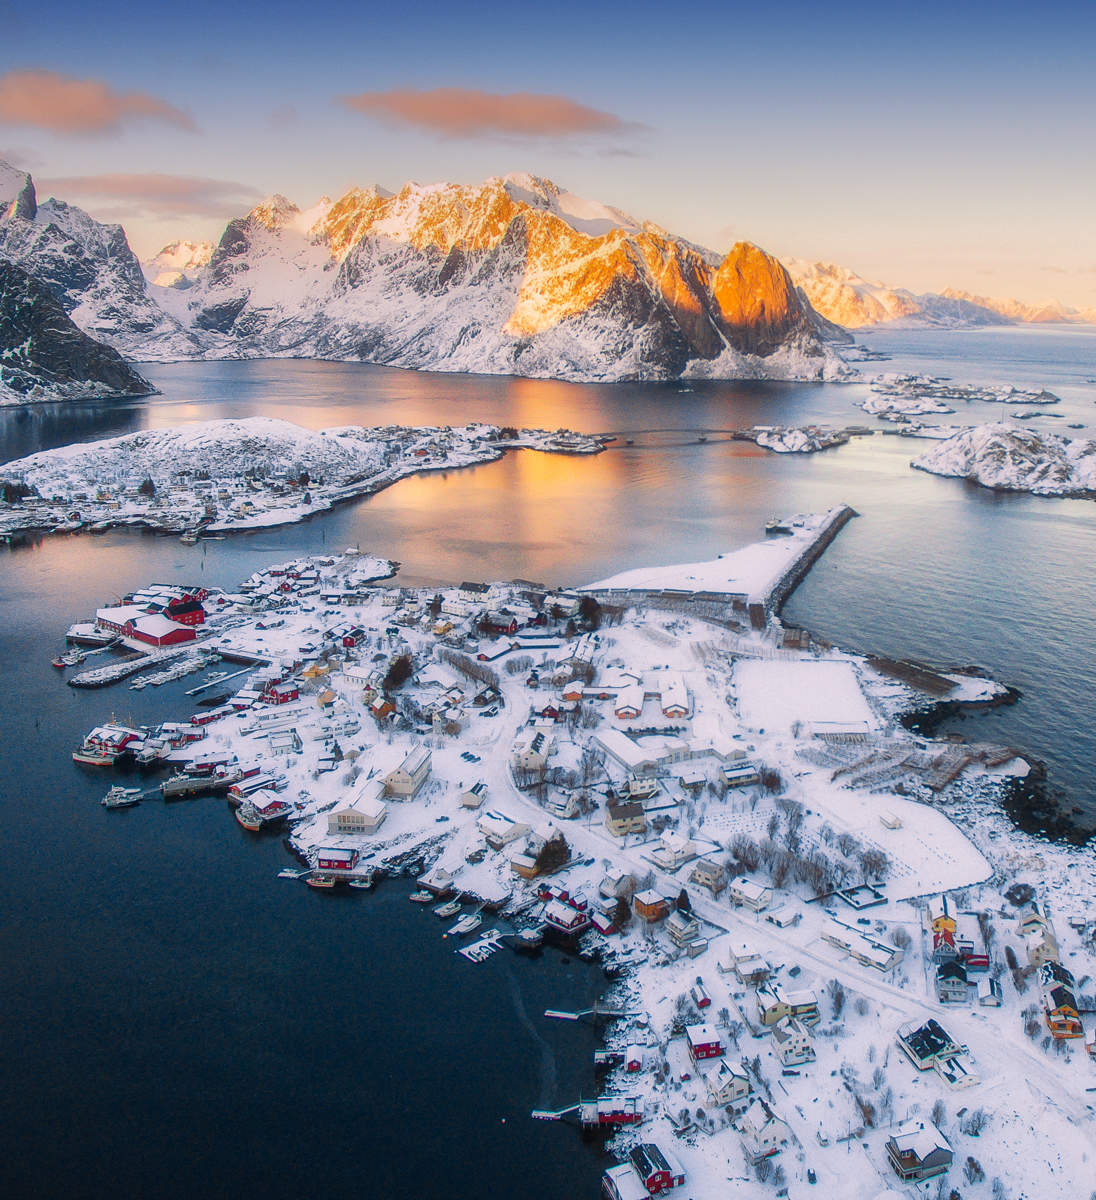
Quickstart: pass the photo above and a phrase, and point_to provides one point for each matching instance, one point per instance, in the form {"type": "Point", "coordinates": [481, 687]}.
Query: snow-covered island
{"type": "Point", "coordinates": [227, 475]}
{"type": "Point", "coordinates": [898, 397]}
{"type": "Point", "coordinates": [826, 933]}
{"type": "Point", "coordinates": [1010, 458]}
{"type": "Point", "coordinates": [805, 439]}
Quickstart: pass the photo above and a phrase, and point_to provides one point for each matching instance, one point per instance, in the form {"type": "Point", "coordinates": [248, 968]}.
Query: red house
{"type": "Point", "coordinates": [158, 630]}
{"type": "Point", "coordinates": [353, 636]}
{"type": "Point", "coordinates": [564, 918]}
{"type": "Point", "coordinates": [656, 1169]}
{"type": "Point", "coordinates": [335, 858]}
{"type": "Point", "coordinates": [611, 1110]}
{"type": "Point", "coordinates": [187, 611]}
{"type": "Point", "coordinates": [703, 1042]}
{"type": "Point", "coordinates": [281, 693]}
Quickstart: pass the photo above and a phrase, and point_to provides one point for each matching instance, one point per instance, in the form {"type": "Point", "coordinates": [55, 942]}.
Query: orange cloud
{"type": "Point", "coordinates": [467, 112]}
{"type": "Point", "coordinates": [62, 104]}
{"type": "Point", "coordinates": [157, 194]}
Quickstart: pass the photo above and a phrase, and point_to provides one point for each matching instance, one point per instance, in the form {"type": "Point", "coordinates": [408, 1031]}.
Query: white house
{"type": "Point", "coordinates": [364, 814]}
{"type": "Point", "coordinates": [474, 796]}
{"type": "Point", "coordinates": [763, 1132]}
{"type": "Point", "coordinates": [410, 775]}
{"type": "Point", "coordinates": [673, 851]}
{"type": "Point", "coordinates": [727, 1084]}
{"type": "Point", "coordinates": [499, 829]}
{"type": "Point", "coordinates": [792, 1042]}
{"type": "Point", "coordinates": [754, 896]}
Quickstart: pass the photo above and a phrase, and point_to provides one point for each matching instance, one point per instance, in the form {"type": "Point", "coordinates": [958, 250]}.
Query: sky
{"type": "Point", "coordinates": [926, 145]}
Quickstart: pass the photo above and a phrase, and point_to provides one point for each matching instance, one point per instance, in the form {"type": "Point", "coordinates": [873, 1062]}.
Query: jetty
{"type": "Point", "coordinates": [113, 672]}
{"type": "Point", "coordinates": [739, 589]}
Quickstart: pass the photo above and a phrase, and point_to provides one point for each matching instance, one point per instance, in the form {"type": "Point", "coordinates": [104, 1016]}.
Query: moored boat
{"type": "Point", "coordinates": [58, 662]}
{"type": "Point", "coordinates": [469, 923]}
{"type": "Point", "coordinates": [449, 909]}
{"type": "Point", "coordinates": [319, 880]}
{"type": "Point", "coordinates": [363, 882]}
{"type": "Point", "coordinates": [121, 797]}
{"type": "Point", "coordinates": [249, 818]}
{"type": "Point", "coordinates": [421, 897]}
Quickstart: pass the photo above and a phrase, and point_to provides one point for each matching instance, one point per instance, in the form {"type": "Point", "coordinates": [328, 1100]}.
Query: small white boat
{"type": "Point", "coordinates": [121, 797]}
{"type": "Point", "coordinates": [449, 909]}
{"type": "Point", "coordinates": [421, 897]}
{"type": "Point", "coordinates": [469, 923]}
{"type": "Point", "coordinates": [364, 882]}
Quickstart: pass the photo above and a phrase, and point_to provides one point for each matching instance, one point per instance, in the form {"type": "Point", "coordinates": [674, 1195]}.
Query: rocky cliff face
{"type": "Point", "coordinates": [44, 356]}
{"type": "Point", "coordinates": [510, 276]}
{"type": "Point", "coordinates": [91, 270]}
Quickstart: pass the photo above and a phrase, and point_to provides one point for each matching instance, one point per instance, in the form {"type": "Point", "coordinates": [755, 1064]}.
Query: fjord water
{"type": "Point", "coordinates": [177, 1020]}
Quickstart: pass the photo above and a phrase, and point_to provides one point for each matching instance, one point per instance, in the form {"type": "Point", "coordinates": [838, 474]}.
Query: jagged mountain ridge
{"type": "Point", "coordinates": [510, 276]}
{"type": "Point", "coordinates": [44, 356]}
{"type": "Point", "coordinates": [848, 299]}
{"type": "Point", "coordinates": [91, 270]}
{"type": "Point", "coordinates": [177, 264]}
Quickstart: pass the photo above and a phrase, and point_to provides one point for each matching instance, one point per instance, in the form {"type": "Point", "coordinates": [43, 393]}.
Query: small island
{"type": "Point", "coordinates": [224, 476]}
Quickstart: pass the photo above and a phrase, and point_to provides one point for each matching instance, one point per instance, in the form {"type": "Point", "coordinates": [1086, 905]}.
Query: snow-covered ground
{"type": "Point", "coordinates": [752, 571]}
{"type": "Point", "coordinates": [227, 475]}
{"type": "Point", "coordinates": [786, 764]}
{"type": "Point", "coordinates": [1006, 456]}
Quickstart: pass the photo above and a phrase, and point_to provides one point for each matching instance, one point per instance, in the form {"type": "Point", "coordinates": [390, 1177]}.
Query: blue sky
{"type": "Point", "coordinates": [927, 145]}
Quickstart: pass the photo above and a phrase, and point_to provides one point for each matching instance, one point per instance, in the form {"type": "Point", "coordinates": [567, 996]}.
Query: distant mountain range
{"type": "Point", "coordinates": [510, 276]}
{"type": "Point", "coordinates": [850, 300]}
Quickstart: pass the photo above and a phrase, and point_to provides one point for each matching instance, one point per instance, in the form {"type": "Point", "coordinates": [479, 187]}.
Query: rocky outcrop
{"type": "Point", "coordinates": [1005, 457]}
{"type": "Point", "coordinates": [44, 356]}
{"type": "Point", "coordinates": [91, 270]}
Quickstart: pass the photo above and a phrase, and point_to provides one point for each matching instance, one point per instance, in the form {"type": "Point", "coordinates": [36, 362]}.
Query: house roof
{"type": "Point", "coordinates": [919, 1138]}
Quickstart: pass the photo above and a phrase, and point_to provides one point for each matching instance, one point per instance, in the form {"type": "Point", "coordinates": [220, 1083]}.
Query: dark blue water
{"type": "Point", "coordinates": [176, 1019]}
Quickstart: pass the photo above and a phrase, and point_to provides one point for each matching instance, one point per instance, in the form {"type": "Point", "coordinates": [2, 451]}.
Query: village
{"type": "Point", "coordinates": [214, 477]}
{"type": "Point", "coordinates": [836, 969]}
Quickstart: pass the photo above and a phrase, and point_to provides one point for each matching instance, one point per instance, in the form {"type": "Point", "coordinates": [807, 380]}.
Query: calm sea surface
{"type": "Point", "coordinates": [176, 1020]}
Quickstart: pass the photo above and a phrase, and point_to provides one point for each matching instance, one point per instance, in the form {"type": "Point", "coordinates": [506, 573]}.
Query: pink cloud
{"type": "Point", "coordinates": [156, 194]}
{"type": "Point", "coordinates": [62, 104]}
{"type": "Point", "coordinates": [467, 112]}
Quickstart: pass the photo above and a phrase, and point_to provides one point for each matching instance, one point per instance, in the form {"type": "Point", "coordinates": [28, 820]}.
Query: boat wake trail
{"type": "Point", "coordinates": [547, 1058]}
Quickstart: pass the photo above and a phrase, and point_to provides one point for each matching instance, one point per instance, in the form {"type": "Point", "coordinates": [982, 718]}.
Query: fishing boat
{"type": "Point", "coordinates": [73, 658]}
{"type": "Point", "coordinates": [449, 909]}
{"type": "Point", "coordinates": [421, 897]}
{"type": "Point", "coordinates": [94, 756]}
{"type": "Point", "coordinates": [121, 797]}
{"type": "Point", "coordinates": [318, 880]}
{"type": "Point", "coordinates": [364, 882]}
{"type": "Point", "coordinates": [249, 818]}
{"type": "Point", "coordinates": [469, 923]}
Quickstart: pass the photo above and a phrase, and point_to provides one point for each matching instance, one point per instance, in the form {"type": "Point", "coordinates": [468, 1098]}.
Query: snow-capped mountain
{"type": "Point", "coordinates": [1053, 313]}
{"type": "Point", "coordinates": [848, 299]}
{"type": "Point", "coordinates": [1002, 455]}
{"type": "Point", "coordinates": [91, 270]}
{"type": "Point", "coordinates": [852, 301]}
{"type": "Point", "coordinates": [177, 264]}
{"type": "Point", "coordinates": [512, 276]}
{"type": "Point", "coordinates": [44, 356]}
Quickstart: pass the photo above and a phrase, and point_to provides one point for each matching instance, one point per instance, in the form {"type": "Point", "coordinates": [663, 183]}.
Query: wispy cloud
{"type": "Point", "coordinates": [470, 113]}
{"type": "Point", "coordinates": [155, 195]}
{"type": "Point", "coordinates": [64, 104]}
